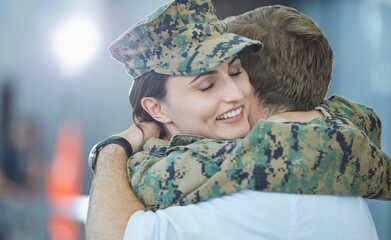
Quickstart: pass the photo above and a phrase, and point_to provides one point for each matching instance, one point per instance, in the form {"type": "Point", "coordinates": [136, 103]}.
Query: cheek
{"type": "Point", "coordinates": [192, 108]}
{"type": "Point", "coordinates": [197, 109]}
{"type": "Point", "coordinates": [186, 109]}
{"type": "Point", "coordinates": [245, 86]}
{"type": "Point", "coordinates": [203, 108]}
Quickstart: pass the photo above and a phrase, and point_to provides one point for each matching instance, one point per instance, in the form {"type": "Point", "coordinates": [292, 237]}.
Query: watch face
{"type": "Point", "coordinates": [91, 159]}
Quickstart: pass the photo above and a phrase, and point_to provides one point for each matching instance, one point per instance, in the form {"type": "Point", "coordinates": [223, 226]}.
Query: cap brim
{"type": "Point", "coordinates": [207, 55]}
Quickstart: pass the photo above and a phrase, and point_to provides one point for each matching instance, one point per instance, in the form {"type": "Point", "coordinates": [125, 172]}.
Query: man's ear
{"type": "Point", "coordinates": [154, 108]}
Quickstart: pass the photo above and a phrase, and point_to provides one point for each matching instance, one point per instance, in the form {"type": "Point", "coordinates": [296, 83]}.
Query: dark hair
{"type": "Point", "coordinates": [293, 70]}
{"type": "Point", "coordinates": [151, 84]}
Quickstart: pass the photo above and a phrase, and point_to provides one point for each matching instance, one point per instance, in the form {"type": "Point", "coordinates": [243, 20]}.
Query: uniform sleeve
{"type": "Point", "coordinates": [327, 156]}
{"type": "Point", "coordinates": [364, 117]}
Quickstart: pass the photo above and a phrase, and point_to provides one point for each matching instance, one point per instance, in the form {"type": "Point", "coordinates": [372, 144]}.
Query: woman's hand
{"type": "Point", "coordinates": [136, 137]}
{"type": "Point", "coordinates": [299, 116]}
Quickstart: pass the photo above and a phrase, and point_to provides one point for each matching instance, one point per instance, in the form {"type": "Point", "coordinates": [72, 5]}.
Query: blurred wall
{"type": "Point", "coordinates": [96, 97]}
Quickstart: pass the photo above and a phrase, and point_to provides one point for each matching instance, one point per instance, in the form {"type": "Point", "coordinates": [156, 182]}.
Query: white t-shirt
{"type": "Point", "coordinates": [258, 215]}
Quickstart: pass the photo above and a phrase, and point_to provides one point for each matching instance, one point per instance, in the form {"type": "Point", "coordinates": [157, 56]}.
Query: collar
{"type": "Point", "coordinates": [155, 146]}
{"type": "Point", "coordinates": [158, 146]}
{"type": "Point", "coordinates": [182, 140]}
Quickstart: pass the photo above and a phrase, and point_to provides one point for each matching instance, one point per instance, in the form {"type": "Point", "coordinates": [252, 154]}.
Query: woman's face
{"type": "Point", "coordinates": [213, 104]}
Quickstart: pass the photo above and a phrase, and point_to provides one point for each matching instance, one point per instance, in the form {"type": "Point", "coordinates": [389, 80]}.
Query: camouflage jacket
{"type": "Point", "coordinates": [328, 155]}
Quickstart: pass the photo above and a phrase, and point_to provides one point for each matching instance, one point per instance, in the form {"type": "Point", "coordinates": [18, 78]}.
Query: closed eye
{"type": "Point", "coordinates": [235, 74]}
{"type": "Point", "coordinates": [207, 88]}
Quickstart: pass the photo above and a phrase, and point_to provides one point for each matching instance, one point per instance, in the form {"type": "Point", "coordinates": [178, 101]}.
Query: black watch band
{"type": "Point", "coordinates": [97, 147]}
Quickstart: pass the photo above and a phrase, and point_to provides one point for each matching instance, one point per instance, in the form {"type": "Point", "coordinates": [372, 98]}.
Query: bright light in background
{"type": "Point", "coordinates": [76, 43]}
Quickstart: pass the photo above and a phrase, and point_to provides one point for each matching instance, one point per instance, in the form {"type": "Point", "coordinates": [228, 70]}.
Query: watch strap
{"type": "Point", "coordinates": [110, 140]}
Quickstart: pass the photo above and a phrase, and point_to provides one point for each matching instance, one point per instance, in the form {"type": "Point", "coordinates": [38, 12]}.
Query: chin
{"type": "Point", "coordinates": [233, 137]}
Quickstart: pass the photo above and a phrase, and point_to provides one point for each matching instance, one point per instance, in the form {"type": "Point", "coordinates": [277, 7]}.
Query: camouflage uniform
{"type": "Point", "coordinates": [326, 156]}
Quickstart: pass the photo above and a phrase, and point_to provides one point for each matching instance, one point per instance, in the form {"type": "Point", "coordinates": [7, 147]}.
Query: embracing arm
{"type": "Point", "coordinates": [112, 201]}
{"type": "Point", "coordinates": [364, 117]}
{"type": "Point", "coordinates": [328, 156]}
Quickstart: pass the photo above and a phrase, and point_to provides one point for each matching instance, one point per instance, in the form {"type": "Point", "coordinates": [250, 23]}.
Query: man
{"type": "Point", "coordinates": [110, 180]}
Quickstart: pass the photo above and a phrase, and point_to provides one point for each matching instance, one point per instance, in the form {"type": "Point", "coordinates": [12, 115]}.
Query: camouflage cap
{"type": "Point", "coordinates": [184, 37]}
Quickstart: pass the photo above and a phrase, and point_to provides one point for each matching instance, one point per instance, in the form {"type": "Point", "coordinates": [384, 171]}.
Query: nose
{"type": "Point", "coordinates": [232, 92]}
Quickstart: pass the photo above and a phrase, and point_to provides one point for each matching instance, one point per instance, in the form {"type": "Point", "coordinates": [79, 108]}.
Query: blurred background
{"type": "Point", "coordinates": [61, 92]}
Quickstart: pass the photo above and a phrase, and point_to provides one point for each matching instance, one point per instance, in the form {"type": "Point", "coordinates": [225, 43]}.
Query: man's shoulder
{"type": "Point", "coordinates": [363, 117]}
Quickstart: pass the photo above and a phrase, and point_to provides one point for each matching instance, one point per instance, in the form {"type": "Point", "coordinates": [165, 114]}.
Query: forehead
{"type": "Point", "coordinates": [174, 82]}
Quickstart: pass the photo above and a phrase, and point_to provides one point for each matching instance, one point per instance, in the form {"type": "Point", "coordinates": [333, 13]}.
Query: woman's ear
{"type": "Point", "coordinates": [154, 108]}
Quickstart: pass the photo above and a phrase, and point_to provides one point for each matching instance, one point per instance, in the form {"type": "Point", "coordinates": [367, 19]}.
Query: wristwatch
{"type": "Point", "coordinates": [97, 147]}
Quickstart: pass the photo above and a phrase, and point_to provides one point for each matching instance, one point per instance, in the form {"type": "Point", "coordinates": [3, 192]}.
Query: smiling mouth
{"type": "Point", "coordinates": [230, 114]}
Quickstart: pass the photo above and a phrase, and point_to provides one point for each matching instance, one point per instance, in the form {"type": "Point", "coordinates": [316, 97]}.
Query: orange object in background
{"type": "Point", "coordinates": [64, 178]}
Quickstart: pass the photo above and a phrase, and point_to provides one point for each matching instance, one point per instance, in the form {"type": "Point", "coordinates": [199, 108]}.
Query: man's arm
{"type": "Point", "coordinates": [112, 201]}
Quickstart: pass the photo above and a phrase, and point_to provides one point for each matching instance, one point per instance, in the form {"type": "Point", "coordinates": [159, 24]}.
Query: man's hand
{"type": "Point", "coordinates": [299, 116]}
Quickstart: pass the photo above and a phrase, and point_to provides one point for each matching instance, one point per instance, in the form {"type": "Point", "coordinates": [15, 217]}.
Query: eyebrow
{"type": "Point", "coordinates": [233, 60]}
{"type": "Point", "coordinates": [213, 71]}
{"type": "Point", "coordinates": [202, 74]}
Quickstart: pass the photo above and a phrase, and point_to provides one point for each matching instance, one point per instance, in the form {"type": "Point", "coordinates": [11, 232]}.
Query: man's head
{"type": "Point", "coordinates": [293, 71]}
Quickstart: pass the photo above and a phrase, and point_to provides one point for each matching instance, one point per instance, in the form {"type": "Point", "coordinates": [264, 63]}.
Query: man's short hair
{"type": "Point", "coordinates": [293, 71]}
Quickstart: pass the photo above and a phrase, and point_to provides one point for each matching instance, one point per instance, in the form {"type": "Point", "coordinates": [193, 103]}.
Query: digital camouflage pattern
{"type": "Point", "coordinates": [364, 117]}
{"type": "Point", "coordinates": [184, 37]}
{"type": "Point", "coordinates": [329, 155]}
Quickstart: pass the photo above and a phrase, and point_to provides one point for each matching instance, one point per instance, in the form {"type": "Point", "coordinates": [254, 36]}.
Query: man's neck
{"type": "Point", "coordinates": [257, 113]}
